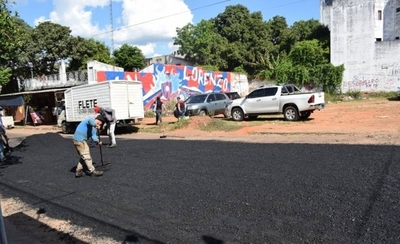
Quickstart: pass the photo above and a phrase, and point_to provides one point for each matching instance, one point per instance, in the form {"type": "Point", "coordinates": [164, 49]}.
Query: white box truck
{"type": "Point", "coordinates": [125, 96]}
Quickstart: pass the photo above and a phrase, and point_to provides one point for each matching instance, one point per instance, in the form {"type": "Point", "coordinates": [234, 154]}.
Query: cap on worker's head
{"type": "Point", "coordinates": [96, 109]}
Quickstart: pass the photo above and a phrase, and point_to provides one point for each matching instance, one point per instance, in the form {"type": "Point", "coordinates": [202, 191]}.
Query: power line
{"type": "Point", "coordinates": [163, 17]}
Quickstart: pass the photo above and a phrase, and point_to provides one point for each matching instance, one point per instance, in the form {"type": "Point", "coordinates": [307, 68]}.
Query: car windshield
{"type": "Point", "coordinates": [197, 99]}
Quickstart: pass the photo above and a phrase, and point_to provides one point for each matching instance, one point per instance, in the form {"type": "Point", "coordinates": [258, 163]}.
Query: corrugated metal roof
{"type": "Point", "coordinates": [33, 92]}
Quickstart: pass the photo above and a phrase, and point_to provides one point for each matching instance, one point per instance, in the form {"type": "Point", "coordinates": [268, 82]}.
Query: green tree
{"type": "Point", "coordinates": [310, 30]}
{"type": "Point", "coordinates": [308, 54]}
{"type": "Point", "coordinates": [201, 44]}
{"type": "Point", "coordinates": [306, 63]}
{"type": "Point", "coordinates": [9, 43]}
{"type": "Point", "coordinates": [22, 60]}
{"type": "Point", "coordinates": [129, 57]}
{"type": "Point", "coordinates": [235, 38]}
{"type": "Point", "coordinates": [279, 35]}
{"type": "Point", "coordinates": [247, 36]}
{"type": "Point", "coordinates": [51, 44]}
{"type": "Point", "coordinates": [83, 50]}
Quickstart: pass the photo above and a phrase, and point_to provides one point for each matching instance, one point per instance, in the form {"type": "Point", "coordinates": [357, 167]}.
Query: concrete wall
{"type": "Point", "coordinates": [363, 38]}
{"type": "Point", "coordinates": [94, 66]}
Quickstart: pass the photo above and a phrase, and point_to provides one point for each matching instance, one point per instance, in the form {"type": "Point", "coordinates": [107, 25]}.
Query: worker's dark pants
{"type": "Point", "coordinates": [158, 116]}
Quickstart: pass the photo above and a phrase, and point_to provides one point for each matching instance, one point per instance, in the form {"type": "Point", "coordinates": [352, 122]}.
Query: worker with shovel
{"type": "Point", "coordinates": [87, 129]}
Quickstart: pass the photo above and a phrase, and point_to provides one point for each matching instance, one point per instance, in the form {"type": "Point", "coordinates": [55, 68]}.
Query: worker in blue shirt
{"type": "Point", "coordinates": [87, 129]}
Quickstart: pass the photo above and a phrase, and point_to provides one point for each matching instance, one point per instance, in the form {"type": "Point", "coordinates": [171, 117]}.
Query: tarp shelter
{"type": "Point", "coordinates": [17, 100]}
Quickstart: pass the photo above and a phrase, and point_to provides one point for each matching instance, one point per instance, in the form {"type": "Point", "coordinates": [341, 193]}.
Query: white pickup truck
{"type": "Point", "coordinates": [286, 99]}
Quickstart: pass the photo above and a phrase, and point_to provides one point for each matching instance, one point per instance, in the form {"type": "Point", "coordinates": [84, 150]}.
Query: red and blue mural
{"type": "Point", "coordinates": [170, 81]}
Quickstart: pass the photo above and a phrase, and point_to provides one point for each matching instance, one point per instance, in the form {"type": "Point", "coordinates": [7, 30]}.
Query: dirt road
{"type": "Point", "coordinates": [356, 122]}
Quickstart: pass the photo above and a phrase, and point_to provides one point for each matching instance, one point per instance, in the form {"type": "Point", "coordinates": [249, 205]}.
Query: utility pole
{"type": "Point", "coordinates": [112, 27]}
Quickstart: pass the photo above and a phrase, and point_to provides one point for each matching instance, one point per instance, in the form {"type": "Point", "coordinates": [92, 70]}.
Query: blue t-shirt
{"type": "Point", "coordinates": [85, 130]}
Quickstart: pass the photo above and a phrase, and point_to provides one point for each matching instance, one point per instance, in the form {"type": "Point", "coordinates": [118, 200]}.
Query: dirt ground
{"type": "Point", "coordinates": [355, 122]}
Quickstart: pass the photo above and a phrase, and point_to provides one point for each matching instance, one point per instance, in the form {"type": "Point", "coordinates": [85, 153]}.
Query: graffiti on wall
{"type": "Point", "coordinates": [376, 84]}
{"type": "Point", "coordinates": [388, 80]}
{"type": "Point", "coordinates": [170, 81]}
{"type": "Point", "coordinates": [359, 83]}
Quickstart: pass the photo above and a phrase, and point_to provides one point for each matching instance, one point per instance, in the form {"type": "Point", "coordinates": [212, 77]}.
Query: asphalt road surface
{"type": "Point", "coordinates": [176, 191]}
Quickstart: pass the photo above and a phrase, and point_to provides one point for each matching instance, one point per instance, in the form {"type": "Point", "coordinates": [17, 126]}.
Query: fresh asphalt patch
{"type": "Point", "coordinates": [177, 191]}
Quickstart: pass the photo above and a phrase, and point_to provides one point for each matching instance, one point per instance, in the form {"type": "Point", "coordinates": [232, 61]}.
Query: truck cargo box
{"type": "Point", "coordinates": [125, 96]}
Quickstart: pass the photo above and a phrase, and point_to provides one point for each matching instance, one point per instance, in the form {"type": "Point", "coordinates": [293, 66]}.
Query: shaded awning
{"type": "Point", "coordinates": [12, 101]}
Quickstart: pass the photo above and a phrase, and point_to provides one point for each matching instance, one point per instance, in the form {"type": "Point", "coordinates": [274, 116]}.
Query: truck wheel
{"type": "Point", "coordinates": [237, 114]}
{"type": "Point", "coordinates": [291, 113]}
{"type": "Point", "coordinates": [305, 115]}
{"type": "Point", "coordinates": [64, 128]}
{"type": "Point", "coordinates": [202, 113]}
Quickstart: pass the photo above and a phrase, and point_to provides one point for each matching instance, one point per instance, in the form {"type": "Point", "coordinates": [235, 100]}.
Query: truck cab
{"type": "Point", "coordinates": [59, 111]}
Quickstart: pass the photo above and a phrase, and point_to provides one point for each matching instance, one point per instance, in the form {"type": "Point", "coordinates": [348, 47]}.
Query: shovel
{"type": "Point", "coordinates": [103, 165]}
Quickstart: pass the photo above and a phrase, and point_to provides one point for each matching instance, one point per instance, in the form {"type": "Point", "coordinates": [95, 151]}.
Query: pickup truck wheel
{"type": "Point", "coordinates": [202, 113]}
{"type": "Point", "coordinates": [237, 114]}
{"type": "Point", "coordinates": [305, 115]}
{"type": "Point", "coordinates": [291, 113]}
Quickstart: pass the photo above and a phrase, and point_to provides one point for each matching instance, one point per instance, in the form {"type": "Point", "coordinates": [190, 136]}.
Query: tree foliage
{"type": "Point", "coordinates": [83, 50]}
{"type": "Point", "coordinates": [306, 64]}
{"type": "Point", "coordinates": [237, 39]}
{"type": "Point", "coordinates": [51, 45]}
{"type": "Point", "coordinates": [129, 57]}
{"type": "Point", "coordinates": [201, 44]}
{"type": "Point", "coordinates": [9, 43]}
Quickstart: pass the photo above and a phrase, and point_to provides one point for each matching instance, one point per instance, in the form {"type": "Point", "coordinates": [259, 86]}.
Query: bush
{"type": "Point", "coordinates": [357, 95]}
{"type": "Point", "coordinates": [149, 113]}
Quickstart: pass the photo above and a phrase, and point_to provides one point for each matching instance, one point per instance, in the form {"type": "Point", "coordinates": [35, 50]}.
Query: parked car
{"type": "Point", "coordinates": [232, 95]}
{"type": "Point", "coordinates": [207, 103]}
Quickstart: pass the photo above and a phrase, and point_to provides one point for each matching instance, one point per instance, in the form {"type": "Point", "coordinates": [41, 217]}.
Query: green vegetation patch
{"type": "Point", "coordinates": [182, 123]}
{"type": "Point", "coordinates": [220, 125]}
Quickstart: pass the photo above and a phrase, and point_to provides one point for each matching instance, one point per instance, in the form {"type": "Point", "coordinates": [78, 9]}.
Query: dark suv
{"type": "Point", "coordinates": [207, 103]}
{"type": "Point", "coordinates": [232, 95]}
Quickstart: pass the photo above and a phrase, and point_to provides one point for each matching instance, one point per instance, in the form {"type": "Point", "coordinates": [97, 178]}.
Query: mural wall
{"type": "Point", "coordinates": [170, 81]}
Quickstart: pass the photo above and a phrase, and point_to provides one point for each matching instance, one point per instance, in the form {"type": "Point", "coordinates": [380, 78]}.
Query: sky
{"type": "Point", "coordinates": [148, 24]}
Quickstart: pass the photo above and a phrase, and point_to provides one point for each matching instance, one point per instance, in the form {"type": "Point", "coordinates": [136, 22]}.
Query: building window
{"type": "Point", "coordinates": [397, 9]}
{"type": "Point", "coordinates": [379, 14]}
{"type": "Point", "coordinates": [378, 39]}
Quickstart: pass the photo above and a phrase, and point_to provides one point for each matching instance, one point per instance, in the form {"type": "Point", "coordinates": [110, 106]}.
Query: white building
{"type": "Point", "coordinates": [365, 38]}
